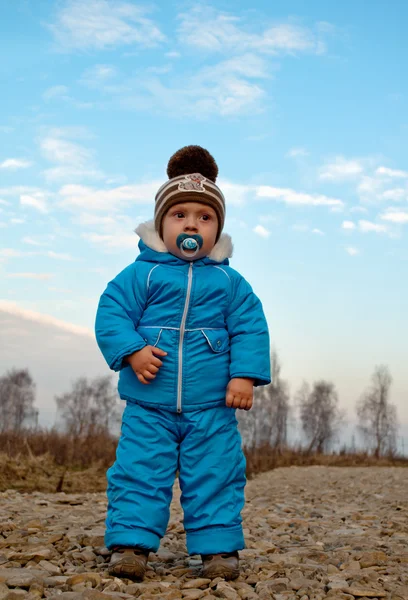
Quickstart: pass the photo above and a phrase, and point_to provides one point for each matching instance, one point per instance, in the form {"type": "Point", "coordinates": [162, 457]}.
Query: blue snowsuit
{"type": "Point", "coordinates": [206, 317]}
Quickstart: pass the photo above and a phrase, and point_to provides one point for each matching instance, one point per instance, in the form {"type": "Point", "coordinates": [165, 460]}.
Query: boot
{"type": "Point", "coordinates": [225, 565]}
{"type": "Point", "coordinates": [128, 562]}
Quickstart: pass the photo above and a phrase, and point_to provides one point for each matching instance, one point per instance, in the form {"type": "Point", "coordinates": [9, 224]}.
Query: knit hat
{"type": "Point", "coordinates": [192, 172]}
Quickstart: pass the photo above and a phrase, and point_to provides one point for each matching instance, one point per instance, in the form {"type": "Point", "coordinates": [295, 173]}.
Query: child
{"type": "Point", "coordinates": [190, 340]}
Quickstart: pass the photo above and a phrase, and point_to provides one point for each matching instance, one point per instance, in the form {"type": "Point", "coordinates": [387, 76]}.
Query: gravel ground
{"type": "Point", "coordinates": [312, 533]}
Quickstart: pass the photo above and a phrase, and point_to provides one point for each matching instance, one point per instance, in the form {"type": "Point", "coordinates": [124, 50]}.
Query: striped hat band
{"type": "Point", "coordinates": [189, 188]}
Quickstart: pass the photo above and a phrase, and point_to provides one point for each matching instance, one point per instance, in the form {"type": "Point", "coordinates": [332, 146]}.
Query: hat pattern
{"type": "Point", "coordinates": [192, 183]}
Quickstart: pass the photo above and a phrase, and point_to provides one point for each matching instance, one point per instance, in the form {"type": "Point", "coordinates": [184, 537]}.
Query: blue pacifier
{"type": "Point", "coordinates": [189, 244]}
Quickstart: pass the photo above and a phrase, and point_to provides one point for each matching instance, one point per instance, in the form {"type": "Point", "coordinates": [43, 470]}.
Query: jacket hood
{"type": "Point", "coordinates": [152, 248]}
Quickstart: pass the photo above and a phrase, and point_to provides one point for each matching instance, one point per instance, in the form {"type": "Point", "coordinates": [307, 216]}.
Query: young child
{"type": "Point", "coordinates": [190, 340]}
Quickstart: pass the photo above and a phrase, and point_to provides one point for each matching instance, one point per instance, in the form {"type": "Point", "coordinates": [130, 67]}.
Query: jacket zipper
{"type": "Point", "coordinates": [182, 330]}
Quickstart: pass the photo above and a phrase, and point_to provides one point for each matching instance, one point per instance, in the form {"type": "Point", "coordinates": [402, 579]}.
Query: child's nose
{"type": "Point", "coordinates": [190, 224]}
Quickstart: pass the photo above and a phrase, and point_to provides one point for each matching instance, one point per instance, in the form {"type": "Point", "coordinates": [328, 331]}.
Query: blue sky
{"type": "Point", "coordinates": [303, 105]}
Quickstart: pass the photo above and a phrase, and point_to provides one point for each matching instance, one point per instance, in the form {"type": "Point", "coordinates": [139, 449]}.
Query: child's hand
{"type": "Point", "coordinates": [240, 393]}
{"type": "Point", "coordinates": [145, 364]}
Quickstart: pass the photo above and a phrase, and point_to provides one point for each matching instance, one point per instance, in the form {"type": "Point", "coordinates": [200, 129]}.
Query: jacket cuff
{"type": "Point", "coordinates": [258, 379]}
{"type": "Point", "coordinates": [116, 364]}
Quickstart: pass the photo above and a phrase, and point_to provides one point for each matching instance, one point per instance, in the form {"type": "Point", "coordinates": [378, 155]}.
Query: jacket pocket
{"type": "Point", "coordinates": [151, 335]}
{"type": "Point", "coordinates": [218, 339]}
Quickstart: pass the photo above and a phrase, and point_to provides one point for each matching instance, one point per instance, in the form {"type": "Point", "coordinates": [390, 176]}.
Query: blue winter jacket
{"type": "Point", "coordinates": [203, 313]}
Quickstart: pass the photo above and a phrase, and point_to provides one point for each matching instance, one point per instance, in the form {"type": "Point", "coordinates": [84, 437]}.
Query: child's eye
{"type": "Point", "coordinates": [206, 217]}
{"type": "Point", "coordinates": [179, 215]}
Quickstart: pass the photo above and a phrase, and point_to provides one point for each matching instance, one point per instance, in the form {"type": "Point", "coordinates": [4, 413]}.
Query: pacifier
{"type": "Point", "coordinates": [189, 245]}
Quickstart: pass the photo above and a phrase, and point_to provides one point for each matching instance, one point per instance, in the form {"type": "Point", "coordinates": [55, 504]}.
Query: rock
{"type": "Point", "coordinates": [21, 577]}
{"type": "Point", "coordinates": [372, 559]}
{"type": "Point", "coordinates": [192, 594]}
{"type": "Point", "coordinates": [69, 596]}
{"type": "Point", "coordinates": [225, 590]}
{"type": "Point", "coordinates": [165, 555]}
{"type": "Point", "coordinates": [93, 578]}
{"type": "Point", "coordinates": [16, 595]}
{"type": "Point", "coordinates": [362, 592]}
{"type": "Point", "coordinates": [51, 582]}
{"type": "Point", "coordinates": [4, 590]}
{"type": "Point", "coordinates": [275, 586]}
{"type": "Point", "coordinates": [196, 583]}
{"type": "Point", "coordinates": [338, 584]}
{"type": "Point", "coordinates": [49, 567]}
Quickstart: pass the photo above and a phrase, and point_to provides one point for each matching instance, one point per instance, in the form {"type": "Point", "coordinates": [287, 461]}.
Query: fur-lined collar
{"type": "Point", "coordinates": [223, 248]}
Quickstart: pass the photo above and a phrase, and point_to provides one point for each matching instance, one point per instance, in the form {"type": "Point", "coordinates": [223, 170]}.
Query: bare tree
{"type": "Point", "coordinates": [377, 418]}
{"type": "Point", "coordinates": [319, 414]}
{"type": "Point", "coordinates": [267, 422]}
{"type": "Point", "coordinates": [90, 407]}
{"type": "Point", "coordinates": [17, 396]}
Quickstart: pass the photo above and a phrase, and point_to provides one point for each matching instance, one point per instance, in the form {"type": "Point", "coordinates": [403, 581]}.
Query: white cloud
{"type": "Point", "coordinates": [64, 173]}
{"type": "Point", "coordinates": [12, 308]}
{"type": "Point", "coordinates": [208, 29]}
{"type": "Point", "coordinates": [297, 198]}
{"type": "Point", "coordinates": [58, 150]}
{"type": "Point", "coordinates": [392, 172]}
{"type": "Point", "coordinates": [376, 187]}
{"type": "Point", "coordinates": [74, 160]}
{"type": "Point", "coordinates": [295, 152]}
{"type": "Point", "coordinates": [358, 209]}
{"type": "Point", "coordinates": [173, 54]}
{"type": "Point", "coordinates": [34, 202]}
{"type": "Point", "coordinates": [32, 242]}
{"type": "Point", "coordinates": [110, 241]}
{"type": "Point", "coordinates": [235, 193]}
{"type": "Point", "coordinates": [39, 276]}
{"type": "Point", "coordinates": [59, 256]}
{"type": "Point", "coordinates": [103, 24]}
{"type": "Point", "coordinates": [348, 225]}
{"type": "Point", "coordinates": [86, 219]}
{"type": "Point", "coordinates": [79, 196]}
{"type": "Point", "coordinates": [56, 91]}
{"type": "Point", "coordinates": [368, 226]}
{"type": "Point", "coordinates": [352, 250]}
{"type": "Point", "coordinates": [317, 231]}
{"type": "Point", "coordinates": [227, 88]}
{"type": "Point", "coordinates": [13, 164]}
{"type": "Point", "coordinates": [262, 231]}
{"type": "Point", "coordinates": [369, 186]}
{"type": "Point", "coordinates": [11, 253]}
{"type": "Point", "coordinates": [395, 194]}
{"type": "Point", "coordinates": [98, 75]}
{"type": "Point", "coordinates": [341, 169]}
{"type": "Point", "coordinates": [17, 190]}
{"type": "Point", "coordinates": [395, 216]}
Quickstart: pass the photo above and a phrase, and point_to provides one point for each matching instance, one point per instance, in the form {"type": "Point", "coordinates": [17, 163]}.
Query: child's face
{"type": "Point", "coordinates": [190, 218]}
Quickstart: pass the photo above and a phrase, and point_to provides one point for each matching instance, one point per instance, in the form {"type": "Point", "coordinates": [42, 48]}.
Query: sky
{"type": "Point", "coordinates": [304, 107]}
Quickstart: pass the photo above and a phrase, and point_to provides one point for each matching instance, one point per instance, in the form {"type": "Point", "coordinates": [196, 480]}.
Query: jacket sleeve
{"type": "Point", "coordinates": [249, 336]}
{"type": "Point", "coordinates": [119, 311]}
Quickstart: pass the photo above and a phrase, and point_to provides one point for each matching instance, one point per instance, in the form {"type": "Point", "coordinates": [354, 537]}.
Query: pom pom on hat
{"type": "Point", "coordinates": [192, 159]}
{"type": "Point", "coordinates": [192, 173]}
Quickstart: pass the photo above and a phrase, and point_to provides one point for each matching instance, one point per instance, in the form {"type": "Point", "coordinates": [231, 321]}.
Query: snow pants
{"type": "Point", "coordinates": [205, 447]}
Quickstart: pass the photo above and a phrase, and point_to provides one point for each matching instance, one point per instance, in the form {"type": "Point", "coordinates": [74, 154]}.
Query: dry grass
{"type": "Point", "coordinates": [48, 461]}
{"type": "Point", "coordinates": [266, 458]}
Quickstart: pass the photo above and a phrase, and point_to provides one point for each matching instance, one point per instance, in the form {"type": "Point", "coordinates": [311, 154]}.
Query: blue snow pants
{"type": "Point", "coordinates": [205, 447]}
